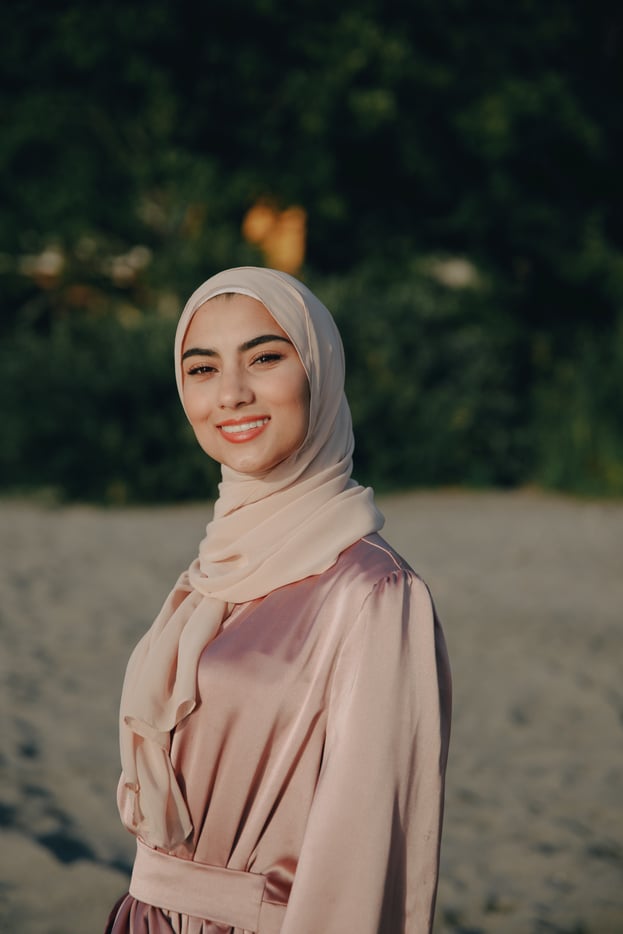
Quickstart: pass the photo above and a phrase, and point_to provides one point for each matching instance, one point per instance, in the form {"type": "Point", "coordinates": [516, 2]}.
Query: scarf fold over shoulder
{"type": "Point", "coordinates": [266, 533]}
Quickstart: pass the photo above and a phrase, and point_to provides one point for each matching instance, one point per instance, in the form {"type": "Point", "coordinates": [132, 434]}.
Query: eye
{"type": "Point", "coordinates": [267, 357]}
{"type": "Point", "coordinates": [201, 369]}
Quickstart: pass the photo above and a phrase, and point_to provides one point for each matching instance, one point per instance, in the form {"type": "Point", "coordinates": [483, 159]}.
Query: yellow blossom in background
{"type": "Point", "coordinates": [280, 235]}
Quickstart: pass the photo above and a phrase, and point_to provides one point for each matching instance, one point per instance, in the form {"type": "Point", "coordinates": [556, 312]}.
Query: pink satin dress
{"type": "Point", "coordinates": [313, 766]}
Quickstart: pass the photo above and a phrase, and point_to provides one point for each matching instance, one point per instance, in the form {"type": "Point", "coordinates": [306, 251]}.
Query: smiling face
{"type": "Point", "coordinates": [245, 390]}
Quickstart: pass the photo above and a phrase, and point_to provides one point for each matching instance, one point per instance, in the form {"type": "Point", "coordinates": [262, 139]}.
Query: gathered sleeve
{"type": "Point", "coordinates": [370, 856]}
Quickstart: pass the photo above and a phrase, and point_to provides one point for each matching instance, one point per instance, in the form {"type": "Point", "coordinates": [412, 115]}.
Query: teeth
{"type": "Point", "coordinates": [245, 426]}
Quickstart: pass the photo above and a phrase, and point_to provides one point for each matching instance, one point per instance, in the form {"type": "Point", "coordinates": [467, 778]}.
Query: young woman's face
{"type": "Point", "coordinates": [245, 390]}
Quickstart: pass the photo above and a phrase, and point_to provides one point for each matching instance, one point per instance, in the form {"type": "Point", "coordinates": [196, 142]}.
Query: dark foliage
{"type": "Point", "coordinates": [137, 134]}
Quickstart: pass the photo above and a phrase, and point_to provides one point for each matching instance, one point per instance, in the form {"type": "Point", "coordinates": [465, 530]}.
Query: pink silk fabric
{"type": "Point", "coordinates": [316, 752]}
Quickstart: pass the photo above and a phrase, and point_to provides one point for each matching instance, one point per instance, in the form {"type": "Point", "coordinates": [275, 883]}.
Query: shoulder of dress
{"type": "Point", "coordinates": [372, 559]}
{"type": "Point", "coordinates": [385, 552]}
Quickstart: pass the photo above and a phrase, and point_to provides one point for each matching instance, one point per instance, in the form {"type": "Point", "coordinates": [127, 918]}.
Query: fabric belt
{"type": "Point", "coordinates": [211, 893]}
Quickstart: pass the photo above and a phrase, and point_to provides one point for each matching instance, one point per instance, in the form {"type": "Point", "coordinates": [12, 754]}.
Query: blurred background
{"type": "Point", "coordinates": [446, 175]}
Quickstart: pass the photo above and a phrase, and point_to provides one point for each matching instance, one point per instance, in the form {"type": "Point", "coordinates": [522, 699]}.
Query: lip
{"type": "Point", "coordinates": [241, 430]}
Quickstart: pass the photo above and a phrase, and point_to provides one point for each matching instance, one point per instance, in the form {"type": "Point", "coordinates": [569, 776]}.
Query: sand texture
{"type": "Point", "coordinates": [530, 589]}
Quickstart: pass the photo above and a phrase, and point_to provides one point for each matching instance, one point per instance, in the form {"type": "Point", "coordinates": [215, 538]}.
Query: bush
{"type": "Point", "coordinates": [442, 388]}
{"type": "Point", "coordinates": [431, 379]}
{"type": "Point", "coordinates": [578, 417]}
{"type": "Point", "coordinates": [90, 411]}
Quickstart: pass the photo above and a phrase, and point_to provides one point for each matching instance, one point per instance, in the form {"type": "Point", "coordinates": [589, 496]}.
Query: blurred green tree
{"type": "Point", "coordinates": [453, 126]}
{"type": "Point", "coordinates": [135, 135]}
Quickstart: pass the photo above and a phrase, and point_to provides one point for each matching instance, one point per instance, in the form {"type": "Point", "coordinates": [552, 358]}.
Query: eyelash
{"type": "Point", "coordinates": [268, 356]}
{"type": "Point", "coordinates": [200, 369]}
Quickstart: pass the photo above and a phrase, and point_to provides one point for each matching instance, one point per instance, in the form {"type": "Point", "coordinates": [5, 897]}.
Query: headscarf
{"type": "Point", "coordinates": [266, 533]}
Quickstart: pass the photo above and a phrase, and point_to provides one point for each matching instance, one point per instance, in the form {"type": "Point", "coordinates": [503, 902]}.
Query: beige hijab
{"type": "Point", "coordinates": [292, 523]}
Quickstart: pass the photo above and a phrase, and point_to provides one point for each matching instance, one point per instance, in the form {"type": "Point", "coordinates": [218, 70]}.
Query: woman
{"type": "Point", "coordinates": [285, 721]}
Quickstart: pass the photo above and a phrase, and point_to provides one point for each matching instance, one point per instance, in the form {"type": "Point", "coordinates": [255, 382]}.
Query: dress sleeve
{"type": "Point", "coordinates": [370, 857]}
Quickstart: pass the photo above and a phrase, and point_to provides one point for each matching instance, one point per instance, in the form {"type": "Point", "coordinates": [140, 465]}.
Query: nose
{"type": "Point", "coordinates": [234, 388]}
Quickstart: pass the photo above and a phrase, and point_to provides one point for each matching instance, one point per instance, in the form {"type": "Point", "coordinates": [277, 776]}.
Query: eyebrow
{"type": "Point", "coordinates": [247, 345]}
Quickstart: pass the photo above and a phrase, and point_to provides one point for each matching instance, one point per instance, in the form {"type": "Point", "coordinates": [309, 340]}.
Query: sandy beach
{"type": "Point", "coordinates": [530, 589]}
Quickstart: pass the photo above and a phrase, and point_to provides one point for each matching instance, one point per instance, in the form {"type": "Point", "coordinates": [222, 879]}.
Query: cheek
{"type": "Point", "coordinates": [194, 402]}
{"type": "Point", "coordinates": [303, 406]}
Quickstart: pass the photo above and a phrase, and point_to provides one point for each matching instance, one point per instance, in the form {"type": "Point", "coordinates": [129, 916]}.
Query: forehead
{"type": "Point", "coordinates": [231, 318]}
